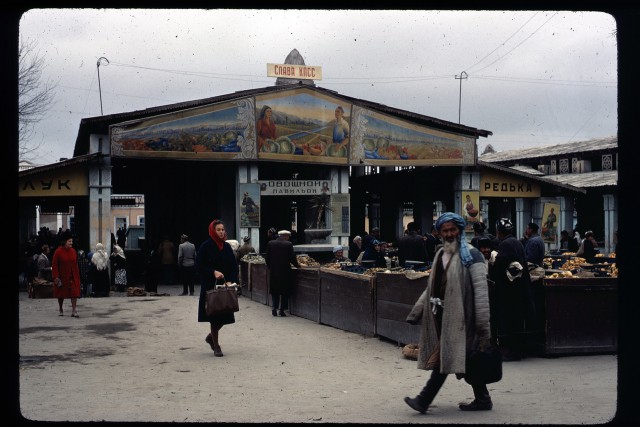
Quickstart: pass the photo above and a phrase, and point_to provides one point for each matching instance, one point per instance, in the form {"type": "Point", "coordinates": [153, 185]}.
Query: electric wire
{"type": "Point", "coordinates": [468, 69]}
{"type": "Point", "coordinates": [519, 44]}
{"type": "Point", "coordinates": [364, 80]}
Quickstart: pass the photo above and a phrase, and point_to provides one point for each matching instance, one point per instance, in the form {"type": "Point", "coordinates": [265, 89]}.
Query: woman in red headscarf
{"type": "Point", "coordinates": [215, 261]}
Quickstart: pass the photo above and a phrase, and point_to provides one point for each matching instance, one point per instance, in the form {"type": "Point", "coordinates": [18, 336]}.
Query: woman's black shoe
{"type": "Point", "coordinates": [274, 313]}
{"type": "Point", "coordinates": [282, 314]}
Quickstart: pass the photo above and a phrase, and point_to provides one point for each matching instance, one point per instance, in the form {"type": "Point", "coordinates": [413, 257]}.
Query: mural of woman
{"type": "Point", "coordinates": [340, 128]}
{"type": "Point", "coordinates": [266, 128]}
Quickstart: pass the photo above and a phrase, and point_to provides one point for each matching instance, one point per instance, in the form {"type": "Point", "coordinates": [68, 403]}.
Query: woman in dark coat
{"type": "Point", "coordinates": [279, 258]}
{"type": "Point", "coordinates": [215, 261]}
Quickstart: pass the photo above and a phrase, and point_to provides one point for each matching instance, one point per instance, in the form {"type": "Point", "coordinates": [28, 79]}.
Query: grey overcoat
{"type": "Point", "coordinates": [465, 317]}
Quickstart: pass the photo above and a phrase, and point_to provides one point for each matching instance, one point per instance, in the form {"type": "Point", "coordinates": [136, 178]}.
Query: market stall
{"type": "Point", "coordinates": [257, 281]}
{"type": "Point", "coordinates": [580, 315]}
{"type": "Point", "coordinates": [396, 293]}
{"type": "Point", "coordinates": [305, 298]}
{"type": "Point", "coordinates": [577, 302]}
{"type": "Point", "coordinates": [579, 305]}
{"type": "Point", "coordinates": [347, 301]}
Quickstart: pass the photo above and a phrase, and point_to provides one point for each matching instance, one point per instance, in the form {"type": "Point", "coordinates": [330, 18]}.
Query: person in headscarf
{"type": "Point", "coordinates": [374, 253]}
{"type": "Point", "coordinates": [99, 272]}
{"type": "Point", "coordinates": [453, 312]}
{"type": "Point", "coordinates": [513, 310]}
{"type": "Point", "coordinates": [119, 267]}
{"type": "Point", "coordinates": [215, 263]}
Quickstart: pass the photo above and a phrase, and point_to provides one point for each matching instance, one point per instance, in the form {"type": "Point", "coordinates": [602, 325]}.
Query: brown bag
{"type": "Point", "coordinates": [221, 300]}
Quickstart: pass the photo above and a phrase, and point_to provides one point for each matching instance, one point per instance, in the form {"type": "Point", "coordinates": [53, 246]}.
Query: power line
{"type": "Point", "coordinates": [502, 44]}
{"type": "Point", "coordinates": [560, 82]}
{"type": "Point", "coordinates": [359, 80]}
{"type": "Point", "coordinates": [519, 44]}
{"type": "Point", "coordinates": [586, 121]}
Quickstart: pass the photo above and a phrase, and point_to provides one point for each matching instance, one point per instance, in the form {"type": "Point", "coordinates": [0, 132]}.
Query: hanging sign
{"type": "Point", "coordinates": [499, 185]}
{"type": "Point", "coordinates": [292, 71]}
{"type": "Point", "coordinates": [296, 187]}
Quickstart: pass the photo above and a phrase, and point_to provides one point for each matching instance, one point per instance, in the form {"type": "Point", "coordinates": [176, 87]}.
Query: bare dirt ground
{"type": "Point", "coordinates": [144, 359]}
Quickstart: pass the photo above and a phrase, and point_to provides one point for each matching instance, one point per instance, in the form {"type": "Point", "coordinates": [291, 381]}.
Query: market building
{"type": "Point", "coordinates": [326, 166]}
{"type": "Point", "coordinates": [589, 165]}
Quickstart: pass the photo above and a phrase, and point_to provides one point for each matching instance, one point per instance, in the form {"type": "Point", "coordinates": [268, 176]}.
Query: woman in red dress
{"type": "Point", "coordinates": [66, 275]}
{"type": "Point", "coordinates": [265, 126]}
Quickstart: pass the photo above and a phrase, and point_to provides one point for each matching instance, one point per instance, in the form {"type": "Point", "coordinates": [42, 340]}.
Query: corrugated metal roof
{"type": "Point", "coordinates": [596, 144]}
{"type": "Point", "coordinates": [587, 179]}
{"type": "Point", "coordinates": [526, 169]}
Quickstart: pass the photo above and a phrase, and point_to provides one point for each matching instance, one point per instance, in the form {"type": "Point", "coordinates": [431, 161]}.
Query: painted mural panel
{"type": "Point", "coordinates": [223, 131]}
{"type": "Point", "coordinates": [381, 140]}
{"type": "Point", "coordinates": [302, 126]}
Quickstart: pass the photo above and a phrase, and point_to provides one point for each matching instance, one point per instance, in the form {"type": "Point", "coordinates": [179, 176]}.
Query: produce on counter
{"type": "Point", "coordinates": [253, 258]}
{"type": "Point", "coordinates": [307, 261]}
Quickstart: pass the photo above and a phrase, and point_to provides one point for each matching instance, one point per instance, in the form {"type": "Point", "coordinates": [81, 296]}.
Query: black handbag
{"type": "Point", "coordinates": [222, 300]}
{"type": "Point", "coordinates": [484, 367]}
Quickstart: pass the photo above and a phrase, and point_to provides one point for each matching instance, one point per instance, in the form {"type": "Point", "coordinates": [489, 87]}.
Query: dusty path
{"type": "Point", "coordinates": [145, 359]}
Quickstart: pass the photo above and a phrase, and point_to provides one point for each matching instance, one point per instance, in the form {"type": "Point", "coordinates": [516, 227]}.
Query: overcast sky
{"type": "Point", "coordinates": [534, 78]}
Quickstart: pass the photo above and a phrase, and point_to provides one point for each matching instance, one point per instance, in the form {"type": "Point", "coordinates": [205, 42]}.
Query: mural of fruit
{"type": "Point", "coordinates": [382, 144]}
{"type": "Point", "coordinates": [285, 145]}
{"type": "Point", "coordinates": [270, 146]}
{"type": "Point", "coordinates": [369, 144]}
{"type": "Point", "coordinates": [229, 137]}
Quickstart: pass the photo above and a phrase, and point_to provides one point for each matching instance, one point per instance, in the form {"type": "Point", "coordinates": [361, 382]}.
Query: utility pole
{"type": "Point", "coordinates": [463, 76]}
{"type": "Point", "coordinates": [100, 87]}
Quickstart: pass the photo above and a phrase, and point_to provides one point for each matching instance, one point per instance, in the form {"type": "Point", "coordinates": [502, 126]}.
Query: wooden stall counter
{"type": "Point", "coordinates": [396, 293]}
{"type": "Point", "coordinates": [580, 315]}
{"type": "Point", "coordinates": [305, 297]}
{"type": "Point", "coordinates": [257, 281]}
{"type": "Point", "coordinates": [347, 301]}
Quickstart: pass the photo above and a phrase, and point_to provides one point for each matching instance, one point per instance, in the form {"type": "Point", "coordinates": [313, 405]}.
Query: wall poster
{"type": "Point", "coordinates": [549, 229]}
{"type": "Point", "coordinates": [470, 208]}
{"type": "Point", "coordinates": [249, 205]}
{"type": "Point", "coordinates": [302, 126]}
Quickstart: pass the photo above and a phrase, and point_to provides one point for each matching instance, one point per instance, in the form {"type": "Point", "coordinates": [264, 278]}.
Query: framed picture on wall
{"type": "Point", "coordinates": [250, 205]}
{"type": "Point", "coordinates": [549, 229]}
{"type": "Point", "coordinates": [470, 208]}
